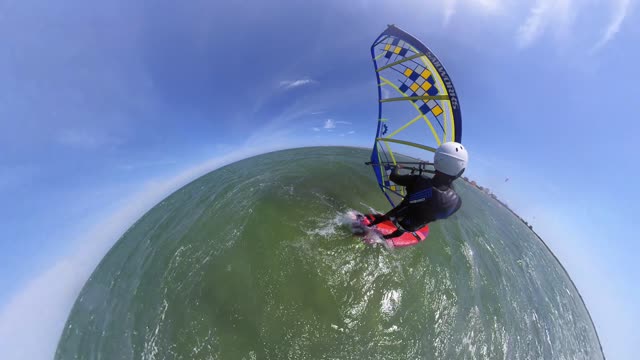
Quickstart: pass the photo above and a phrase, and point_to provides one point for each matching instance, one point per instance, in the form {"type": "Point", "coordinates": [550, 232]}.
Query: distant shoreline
{"type": "Point", "coordinates": [494, 197]}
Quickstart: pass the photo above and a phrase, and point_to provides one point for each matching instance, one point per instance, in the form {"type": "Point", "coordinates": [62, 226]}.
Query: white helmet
{"type": "Point", "coordinates": [451, 159]}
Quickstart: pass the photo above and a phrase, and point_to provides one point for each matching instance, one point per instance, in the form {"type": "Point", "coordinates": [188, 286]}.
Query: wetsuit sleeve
{"type": "Point", "coordinates": [458, 206]}
{"type": "Point", "coordinates": [455, 208]}
{"type": "Point", "coordinates": [402, 180]}
{"type": "Point", "coordinates": [449, 206]}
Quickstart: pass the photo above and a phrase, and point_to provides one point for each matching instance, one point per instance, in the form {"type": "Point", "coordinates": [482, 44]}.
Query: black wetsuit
{"type": "Point", "coordinates": [427, 200]}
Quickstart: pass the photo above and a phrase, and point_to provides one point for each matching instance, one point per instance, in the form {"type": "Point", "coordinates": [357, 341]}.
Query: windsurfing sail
{"type": "Point", "coordinates": [418, 108]}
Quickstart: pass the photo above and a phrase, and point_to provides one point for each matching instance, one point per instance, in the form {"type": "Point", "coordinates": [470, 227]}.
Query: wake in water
{"type": "Point", "coordinates": [369, 236]}
{"type": "Point", "coordinates": [330, 228]}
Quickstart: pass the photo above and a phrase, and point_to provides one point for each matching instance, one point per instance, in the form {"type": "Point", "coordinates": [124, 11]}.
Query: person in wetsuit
{"type": "Point", "coordinates": [428, 199]}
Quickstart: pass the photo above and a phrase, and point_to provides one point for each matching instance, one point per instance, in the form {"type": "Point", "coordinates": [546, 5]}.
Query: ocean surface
{"type": "Point", "coordinates": [254, 261]}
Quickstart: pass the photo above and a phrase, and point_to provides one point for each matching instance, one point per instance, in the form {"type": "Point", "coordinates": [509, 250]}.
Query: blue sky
{"type": "Point", "coordinates": [107, 107]}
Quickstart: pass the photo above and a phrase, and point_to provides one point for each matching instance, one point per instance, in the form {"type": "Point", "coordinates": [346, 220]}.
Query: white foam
{"type": "Point", "coordinates": [390, 302]}
{"type": "Point", "coordinates": [325, 231]}
{"type": "Point", "coordinates": [392, 329]}
{"type": "Point", "coordinates": [330, 226]}
{"type": "Point", "coordinates": [151, 346]}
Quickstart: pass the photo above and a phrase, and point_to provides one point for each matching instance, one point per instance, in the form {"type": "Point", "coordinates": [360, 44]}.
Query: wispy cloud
{"type": "Point", "coordinates": [84, 139]}
{"type": "Point", "coordinates": [558, 15]}
{"type": "Point", "coordinates": [315, 129]}
{"type": "Point", "coordinates": [534, 24]}
{"type": "Point", "coordinates": [538, 18]}
{"type": "Point", "coordinates": [146, 164]}
{"type": "Point", "coordinates": [489, 6]}
{"type": "Point", "coordinates": [351, 132]}
{"type": "Point", "coordinates": [449, 7]}
{"type": "Point", "coordinates": [541, 16]}
{"type": "Point", "coordinates": [290, 84]}
{"type": "Point", "coordinates": [329, 124]}
{"type": "Point", "coordinates": [621, 10]}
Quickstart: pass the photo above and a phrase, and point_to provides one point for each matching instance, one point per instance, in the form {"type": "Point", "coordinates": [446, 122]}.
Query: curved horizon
{"type": "Point", "coordinates": [107, 108]}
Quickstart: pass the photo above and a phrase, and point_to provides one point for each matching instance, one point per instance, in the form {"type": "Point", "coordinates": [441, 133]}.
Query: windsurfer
{"type": "Point", "coordinates": [428, 199]}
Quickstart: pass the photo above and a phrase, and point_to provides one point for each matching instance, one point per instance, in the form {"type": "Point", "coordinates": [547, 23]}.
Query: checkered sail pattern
{"type": "Point", "coordinates": [418, 105]}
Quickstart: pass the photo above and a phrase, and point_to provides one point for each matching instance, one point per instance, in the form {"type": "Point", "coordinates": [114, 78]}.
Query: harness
{"type": "Point", "coordinates": [421, 196]}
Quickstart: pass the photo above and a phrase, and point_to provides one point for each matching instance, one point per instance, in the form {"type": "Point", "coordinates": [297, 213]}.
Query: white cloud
{"type": "Point", "coordinates": [557, 16]}
{"type": "Point", "coordinates": [449, 7]}
{"type": "Point", "coordinates": [621, 10]}
{"type": "Point", "coordinates": [84, 139]}
{"type": "Point", "coordinates": [534, 24]}
{"type": "Point", "coordinates": [146, 164]}
{"type": "Point", "coordinates": [490, 6]}
{"type": "Point", "coordinates": [572, 24]}
{"type": "Point", "coordinates": [316, 129]}
{"type": "Point", "coordinates": [329, 124]}
{"type": "Point", "coordinates": [538, 18]}
{"type": "Point", "coordinates": [542, 15]}
{"type": "Point", "coordinates": [290, 84]}
{"type": "Point", "coordinates": [347, 133]}
{"type": "Point", "coordinates": [25, 316]}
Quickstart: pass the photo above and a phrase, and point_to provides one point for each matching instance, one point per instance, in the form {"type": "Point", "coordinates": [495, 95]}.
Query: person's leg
{"type": "Point", "coordinates": [403, 225]}
{"type": "Point", "coordinates": [390, 215]}
{"type": "Point", "coordinates": [396, 233]}
{"type": "Point", "coordinates": [376, 219]}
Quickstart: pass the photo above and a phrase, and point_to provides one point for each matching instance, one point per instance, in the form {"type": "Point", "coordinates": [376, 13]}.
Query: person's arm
{"type": "Point", "coordinates": [453, 209]}
{"type": "Point", "coordinates": [402, 180]}
{"type": "Point", "coordinates": [458, 206]}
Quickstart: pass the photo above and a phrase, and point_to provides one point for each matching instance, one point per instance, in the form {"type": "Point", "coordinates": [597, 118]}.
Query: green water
{"type": "Point", "coordinates": [252, 261]}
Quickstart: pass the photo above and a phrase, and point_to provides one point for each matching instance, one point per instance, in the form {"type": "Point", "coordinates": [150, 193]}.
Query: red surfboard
{"type": "Point", "coordinates": [408, 238]}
